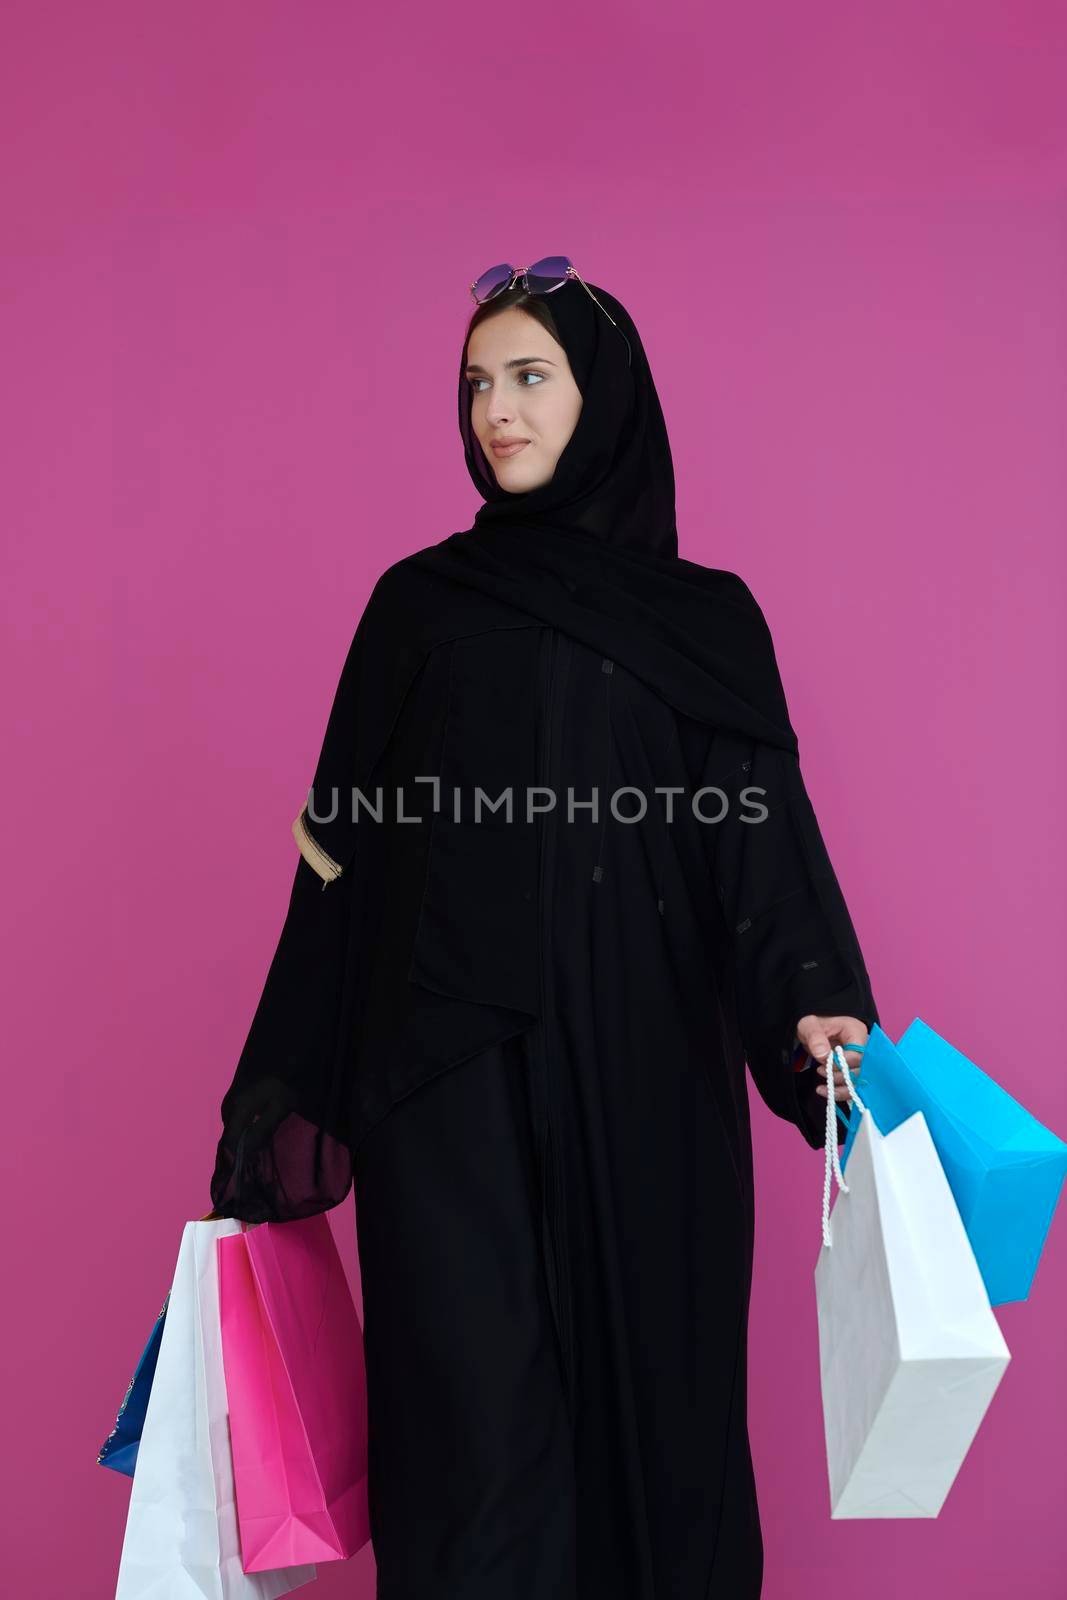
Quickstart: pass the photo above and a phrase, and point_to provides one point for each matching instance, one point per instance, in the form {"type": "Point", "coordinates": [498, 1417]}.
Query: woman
{"type": "Point", "coordinates": [522, 1040]}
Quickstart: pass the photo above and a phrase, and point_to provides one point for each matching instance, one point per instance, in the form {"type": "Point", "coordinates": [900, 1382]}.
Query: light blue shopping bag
{"type": "Point", "coordinates": [1005, 1169]}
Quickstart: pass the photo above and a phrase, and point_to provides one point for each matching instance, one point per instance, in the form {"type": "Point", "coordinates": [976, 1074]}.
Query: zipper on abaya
{"type": "Point", "coordinates": [551, 1190]}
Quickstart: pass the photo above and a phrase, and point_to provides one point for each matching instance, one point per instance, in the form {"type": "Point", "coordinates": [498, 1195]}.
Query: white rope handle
{"type": "Point", "coordinates": [833, 1154]}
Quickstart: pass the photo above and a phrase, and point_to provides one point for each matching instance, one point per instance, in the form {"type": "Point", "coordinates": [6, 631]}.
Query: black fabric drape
{"type": "Point", "coordinates": [408, 947]}
{"type": "Point", "coordinates": [794, 949]}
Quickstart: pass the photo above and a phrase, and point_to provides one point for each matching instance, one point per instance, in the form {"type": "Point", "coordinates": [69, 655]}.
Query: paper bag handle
{"type": "Point", "coordinates": [833, 1154]}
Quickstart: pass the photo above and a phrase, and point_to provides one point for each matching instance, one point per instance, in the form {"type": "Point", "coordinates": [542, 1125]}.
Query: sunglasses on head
{"type": "Point", "coordinates": [545, 276]}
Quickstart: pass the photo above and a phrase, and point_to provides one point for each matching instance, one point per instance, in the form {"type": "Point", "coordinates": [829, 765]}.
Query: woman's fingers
{"type": "Point", "coordinates": [821, 1035]}
{"type": "Point", "coordinates": [839, 1077]}
{"type": "Point", "coordinates": [838, 1036]}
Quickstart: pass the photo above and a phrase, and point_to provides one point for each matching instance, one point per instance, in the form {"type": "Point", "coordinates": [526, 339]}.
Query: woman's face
{"type": "Point", "coordinates": [522, 387]}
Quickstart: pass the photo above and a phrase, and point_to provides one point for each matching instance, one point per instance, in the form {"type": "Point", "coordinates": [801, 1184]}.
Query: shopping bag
{"type": "Point", "coordinates": [293, 1353]}
{"type": "Point", "coordinates": [1005, 1169]}
{"type": "Point", "coordinates": [910, 1353]}
{"type": "Point", "coordinates": [181, 1529]}
{"type": "Point", "coordinates": [119, 1449]}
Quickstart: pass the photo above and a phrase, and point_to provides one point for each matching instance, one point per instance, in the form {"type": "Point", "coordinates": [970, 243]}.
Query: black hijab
{"type": "Point", "coordinates": [595, 550]}
{"type": "Point", "coordinates": [592, 552]}
{"type": "Point", "coordinates": [614, 481]}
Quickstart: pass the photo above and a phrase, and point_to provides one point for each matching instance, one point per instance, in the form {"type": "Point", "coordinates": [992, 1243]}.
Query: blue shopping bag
{"type": "Point", "coordinates": [1005, 1169]}
{"type": "Point", "coordinates": [119, 1449]}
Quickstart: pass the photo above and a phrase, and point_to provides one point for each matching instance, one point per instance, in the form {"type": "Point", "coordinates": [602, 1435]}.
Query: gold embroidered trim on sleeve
{"type": "Point", "coordinates": [313, 853]}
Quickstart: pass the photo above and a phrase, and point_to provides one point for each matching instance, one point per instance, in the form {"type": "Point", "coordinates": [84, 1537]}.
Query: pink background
{"type": "Point", "coordinates": [237, 244]}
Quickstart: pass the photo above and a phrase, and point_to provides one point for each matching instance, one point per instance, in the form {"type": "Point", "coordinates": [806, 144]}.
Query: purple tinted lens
{"type": "Point", "coordinates": [492, 282]}
{"type": "Point", "coordinates": [551, 272]}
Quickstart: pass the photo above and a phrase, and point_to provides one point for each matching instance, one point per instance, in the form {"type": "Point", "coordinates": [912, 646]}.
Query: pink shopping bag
{"type": "Point", "coordinates": [296, 1389]}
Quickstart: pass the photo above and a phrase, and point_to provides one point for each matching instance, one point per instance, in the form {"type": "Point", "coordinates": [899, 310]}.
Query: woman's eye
{"type": "Point", "coordinates": [527, 372]}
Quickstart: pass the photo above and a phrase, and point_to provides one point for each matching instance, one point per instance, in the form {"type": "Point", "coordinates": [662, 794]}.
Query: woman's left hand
{"type": "Point", "coordinates": [819, 1035]}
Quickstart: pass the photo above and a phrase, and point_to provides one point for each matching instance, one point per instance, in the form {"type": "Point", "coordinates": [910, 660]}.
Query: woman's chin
{"type": "Point", "coordinates": [519, 481]}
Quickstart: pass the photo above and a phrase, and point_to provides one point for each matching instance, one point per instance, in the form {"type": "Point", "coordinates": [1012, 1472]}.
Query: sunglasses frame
{"type": "Point", "coordinates": [522, 272]}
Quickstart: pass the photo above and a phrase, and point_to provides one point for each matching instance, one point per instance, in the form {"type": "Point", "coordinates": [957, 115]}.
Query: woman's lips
{"type": "Point", "coordinates": [510, 449]}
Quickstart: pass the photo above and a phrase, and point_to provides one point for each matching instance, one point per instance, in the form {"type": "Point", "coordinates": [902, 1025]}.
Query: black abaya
{"type": "Point", "coordinates": [555, 1236]}
{"type": "Point", "coordinates": [523, 1042]}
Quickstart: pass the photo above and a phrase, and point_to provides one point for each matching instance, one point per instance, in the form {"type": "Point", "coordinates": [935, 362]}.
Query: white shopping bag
{"type": "Point", "coordinates": [910, 1352]}
{"type": "Point", "coordinates": [181, 1531]}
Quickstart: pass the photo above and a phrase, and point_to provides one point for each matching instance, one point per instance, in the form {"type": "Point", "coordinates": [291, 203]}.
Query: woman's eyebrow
{"type": "Point", "coordinates": [518, 361]}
